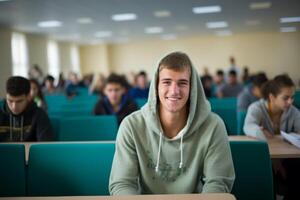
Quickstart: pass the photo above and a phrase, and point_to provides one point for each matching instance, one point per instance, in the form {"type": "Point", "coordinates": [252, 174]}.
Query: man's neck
{"type": "Point", "coordinates": [173, 123]}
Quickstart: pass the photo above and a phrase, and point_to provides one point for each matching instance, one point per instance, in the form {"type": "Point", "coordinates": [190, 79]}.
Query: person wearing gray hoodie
{"type": "Point", "coordinates": [174, 144]}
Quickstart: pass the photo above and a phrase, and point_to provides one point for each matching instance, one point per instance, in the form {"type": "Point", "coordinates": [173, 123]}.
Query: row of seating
{"type": "Point", "coordinates": [71, 169]}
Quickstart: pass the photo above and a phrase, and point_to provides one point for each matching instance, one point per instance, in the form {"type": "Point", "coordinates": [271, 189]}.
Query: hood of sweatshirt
{"type": "Point", "coordinates": [199, 107]}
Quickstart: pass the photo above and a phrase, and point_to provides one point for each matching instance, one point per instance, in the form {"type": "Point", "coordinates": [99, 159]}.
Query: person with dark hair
{"type": "Point", "coordinates": [174, 144]}
{"type": "Point", "coordinates": [271, 115]}
{"type": "Point", "coordinates": [49, 88]}
{"type": "Point", "coordinates": [36, 94]}
{"type": "Point", "coordinates": [115, 101]}
{"type": "Point", "coordinates": [20, 118]}
{"type": "Point", "coordinates": [232, 88]}
{"type": "Point", "coordinates": [252, 92]}
{"type": "Point", "coordinates": [218, 82]}
{"type": "Point", "coordinates": [207, 83]}
{"type": "Point", "coordinates": [141, 89]}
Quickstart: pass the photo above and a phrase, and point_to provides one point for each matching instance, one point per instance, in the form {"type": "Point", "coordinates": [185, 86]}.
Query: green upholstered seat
{"type": "Point", "coordinates": [12, 170]}
{"type": "Point", "coordinates": [69, 169]}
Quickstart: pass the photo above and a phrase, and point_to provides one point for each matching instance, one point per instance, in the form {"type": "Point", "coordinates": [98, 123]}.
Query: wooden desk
{"type": "Point", "coordinates": [278, 147]}
{"type": "Point", "coordinates": [220, 196]}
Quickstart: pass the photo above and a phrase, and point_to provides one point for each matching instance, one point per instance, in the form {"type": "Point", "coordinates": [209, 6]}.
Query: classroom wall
{"type": "Point", "coordinates": [5, 59]}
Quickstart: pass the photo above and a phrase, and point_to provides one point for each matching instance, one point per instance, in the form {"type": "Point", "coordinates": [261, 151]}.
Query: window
{"type": "Point", "coordinates": [53, 59]}
{"type": "Point", "coordinates": [75, 63]}
{"type": "Point", "coordinates": [19, 55]}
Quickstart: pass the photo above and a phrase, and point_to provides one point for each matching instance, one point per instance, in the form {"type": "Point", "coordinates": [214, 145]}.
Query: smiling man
{"type": "Point", "coordinates": [174, 144]}
{"type": "Point", "coordinates": [20, 118]}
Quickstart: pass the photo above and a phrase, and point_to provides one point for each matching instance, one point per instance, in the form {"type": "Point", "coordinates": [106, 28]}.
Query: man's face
{"type": "Point", "coordinates": [17, 104]}
{"type": "Point", "coordinates": [173, 90]}
{"type": "Point", "coordinates": [141, 81]}
{"type": "Point", "coordinates": [232, 79]}
{"type": "Point", "coordinates": [114, 92]}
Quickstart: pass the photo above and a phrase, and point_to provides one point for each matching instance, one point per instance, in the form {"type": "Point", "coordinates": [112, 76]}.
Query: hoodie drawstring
{"type": "Point", "coordinates": [10, 127]}
{"type": "Point", "coordinates": [22, 121]}
{"type": "Point", "coordinates": [181, 152]}
{"type": "Point", "coordinates": [158, 155]}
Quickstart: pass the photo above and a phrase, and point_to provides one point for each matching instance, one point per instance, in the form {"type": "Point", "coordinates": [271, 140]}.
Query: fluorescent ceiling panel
{"type": "Point", "coordinates": [124, 17]}
{"type": "Point", "coordinates": [169, 37]}
{"type": "Point", "coordinates": [49, 24]}
{"type": "Point", "coordinates": [162, 13]}
{"type": "Point", "coordinates": [288, 29]}
{"type": "Point", "coordinates": [219, 24]}
{"type": "Point", "coordinates": [102, 34]}
{"type": "Point", "coordinates": [153, 30]}
{"type": "Point", "coordinates": [207, 9]}
{"type": "Point", "coordinates": [84, 20]}
{"type": "Point", "coordinates": [260, 5]}
{"type": "Point", "coordinates": [289, 19]}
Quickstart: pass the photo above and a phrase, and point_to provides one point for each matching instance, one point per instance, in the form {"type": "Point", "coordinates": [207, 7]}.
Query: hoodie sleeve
{"type": "Point", "coordinates": [124, 172]}
{"type": "Point", "coordinates": [297, 120]}
{"type": "Point", "coordinates": [252, 122]}
{"type": "Point", "coordinates": [218, 167]}
{"type": "Point", "coordinates": [43, 127]}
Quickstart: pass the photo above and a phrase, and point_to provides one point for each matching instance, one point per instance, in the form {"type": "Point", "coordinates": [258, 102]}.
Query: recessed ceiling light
{"type": "Point", "coordinates": [223, 33]}
{"type": "Point", "coordinates": [207, 9]}
{"type": "Point", "coordinates": [153, 30]}
{"type": "Point", "coordinates": [102, 34]}
{"type": "Point", "coordinates": [288, 29]}
{"type": "Point", "coordinates": [219, 24]}
{"type": "Point", "coordinates": [124, 17]}
{"type": "Point", "coordinates": [252, 22]}
{"type": "Point", "coordinates": [289, 19]}
{"type": "Point", "coordinates": [84, 20]}
{"type": "Point", "coordinates": [49, 24]}
{"type": "Point", "coordinates": [260, 5]}
{"type": "Point", "coordinates": [169, 37]}
{"type": "Point", "coordinates": [162, 13]}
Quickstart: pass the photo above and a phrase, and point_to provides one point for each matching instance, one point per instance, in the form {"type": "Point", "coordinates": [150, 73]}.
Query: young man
{"type": "Point", "coordinates": [115, 102]}
{"type": "Point", "coordinates": [142, 88]}
{"type": "Point", "coordinates": [232, 88]}
{"type": "Point", "coordinates": [20, 118]}
{"type": "Point", "coordinates": [174, 144]}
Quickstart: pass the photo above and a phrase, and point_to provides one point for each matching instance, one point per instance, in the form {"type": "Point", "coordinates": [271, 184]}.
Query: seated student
{"type": "Point", "coordinates": [142, 88]}
{"type": "Point", "coordinates": [36, 95]}
{"type": "Point", "coordinates": [267, 117]}
{"type": "Point", "coordinates": [207, 83]}
{"type": "Point", "coordinates": [20, 118]}
{"type": "Point", "coordinates": [218, 82]}
{"type": "Point", "coordinates": [252, 92]}
{"type": "Point", "coordinates": [232, 88]}
{"type": "Point", "coordinates": [115, 101]}
{"type": "Point", "coordinates": [49, 88]}
{"type": "Point", "coordinates": [174, 144]}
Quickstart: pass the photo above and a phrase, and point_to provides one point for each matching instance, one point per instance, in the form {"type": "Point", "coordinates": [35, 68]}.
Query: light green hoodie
{"type": "Point", "coordinates": [197, 160]}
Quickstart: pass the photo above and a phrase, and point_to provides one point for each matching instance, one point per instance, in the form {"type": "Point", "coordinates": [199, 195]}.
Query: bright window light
{"type": "Point", "coordinates": [220, 24]}
{"type": "Point", "coordinates": [153, 30]}
{"type": "Point", "coordinates": [20, 64]}
{"type": "Point", "coordinates": [53, 59]}
{"type": "Point", "coordinates": [103, 34]}
{"type": "Point", "coordinates": [162, 13]}
{"type": "Point", "coordinates": [207, 9]}
{"type": "Point", "coordinates": [49, 24]}
{"type": "Point", "coordinates": [84, 20]}
{"type": "Point", "coordinates": [260, 5]}
{"type": "Point", "coordinates": [75, 61]}
{"type": "Point", "coordinates": [288, 29]}
{"type": "Point", "coordinates": [289, 19]}
{"type": "Point", "coordinates": [124, 17]}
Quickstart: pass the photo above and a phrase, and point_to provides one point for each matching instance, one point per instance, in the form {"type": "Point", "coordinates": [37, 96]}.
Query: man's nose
{"type": "Point", "coordinates": [174, 88]}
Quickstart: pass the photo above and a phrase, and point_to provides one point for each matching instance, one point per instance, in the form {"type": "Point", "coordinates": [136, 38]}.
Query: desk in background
{"type": "Point", "coordinates": [220, 196]}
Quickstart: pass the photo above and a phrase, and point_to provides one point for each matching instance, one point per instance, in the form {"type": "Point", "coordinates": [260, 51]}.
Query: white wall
{"type": "Point", "coordinates": [5, 59]}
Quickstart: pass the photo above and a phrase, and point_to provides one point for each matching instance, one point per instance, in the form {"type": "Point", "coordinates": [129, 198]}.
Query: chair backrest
{"type": "Point", "coordinates": [241, 115]}
{"type": "Point", "coordinates": [104, 127]}
{"type": "Point", "coordinates": [69, 169]}
{"type": "Point", "coordinates": [12, 170]}
{"type": "Point", "coordinates": [55, 122]}
{"type": "Point", "coordinates": [297, 99]}
{"type": "Point", "coordinates": [141, 102]}
{"type": "Point", "coordinates": [253, 170]}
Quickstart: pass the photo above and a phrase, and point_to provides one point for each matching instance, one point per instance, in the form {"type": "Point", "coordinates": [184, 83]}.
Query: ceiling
{"type": "Point", "coordinates": [24, 15]}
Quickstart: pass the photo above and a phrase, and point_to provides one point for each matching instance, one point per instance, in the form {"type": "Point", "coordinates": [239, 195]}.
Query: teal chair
{"type": "Point", "coordinates": [103, 127]}
{"type": "Point", "coordinates": [12, 170]}
{"type": "Point", "coordinates": [69, 169]}
{"type": "Point", "coordinates": [55, 123]}
{"type": "Point", "coordinates": [253, 170]}
{"type": "Point", "coordinates": [141, 102]}
{"type": "Point", "coordinates": [297, 99]}
{"type": "Point", "coordinates": [241, 115]}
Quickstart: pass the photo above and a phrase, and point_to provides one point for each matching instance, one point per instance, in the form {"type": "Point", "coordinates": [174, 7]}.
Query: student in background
{"type": "Point", "coordinates": [232, 88]}
{"type": "Point", "coordinates": [115, 101]}
{"type": "Point", "coordinates": [174, 144]}
{"type": "Point", "coordinates": [20, 118]}
{"type": "Point", "coordinates": [49, 88]}
{"type": "Point", "coordinates": [267, 117]}
{"type": "Point", "coordinates": [36, 94]}
{"type": "Point", "coordinates": [252, 92]}
{"type": "Point", "coordinates": [219, 81]}
{"type": "Point", "coordinates": [141, 89]}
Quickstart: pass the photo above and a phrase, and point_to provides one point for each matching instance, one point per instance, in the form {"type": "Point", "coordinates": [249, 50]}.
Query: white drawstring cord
{"type": "Point", "coordinates": [181, 152]}
{"type": "Point", "coordinates": [158, 155]}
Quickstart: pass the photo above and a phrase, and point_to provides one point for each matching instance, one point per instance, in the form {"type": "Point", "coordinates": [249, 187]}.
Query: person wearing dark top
{"type": "Point", "coordinates": [20, 118]}
{"type": "Point", "coordinates": [142, 86]}
{"type": "Point", "coordinates": [115, 101]}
